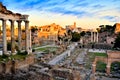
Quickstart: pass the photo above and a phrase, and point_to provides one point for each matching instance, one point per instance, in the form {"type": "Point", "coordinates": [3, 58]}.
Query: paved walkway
{"type": "Point", "coordinates": [46, 46]}
{"type": "Point", "coordinates": [62, 56]}
{"type": "Point", "coordinates": [81, 56]}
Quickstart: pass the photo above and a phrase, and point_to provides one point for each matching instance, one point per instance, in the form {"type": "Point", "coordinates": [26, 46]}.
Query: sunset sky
{"type": "Point", "coordinates": [86, 13]}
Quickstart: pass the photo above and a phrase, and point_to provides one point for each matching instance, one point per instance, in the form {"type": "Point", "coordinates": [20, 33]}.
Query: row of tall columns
{"type": "Point", "coordinates": [27, 40]}
{"type": "Point", "coordinates": [94, 36]}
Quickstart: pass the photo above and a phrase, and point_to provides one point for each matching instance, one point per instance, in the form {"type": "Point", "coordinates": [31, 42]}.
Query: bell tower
{"type": "Point", "coordinates": [74, 24]}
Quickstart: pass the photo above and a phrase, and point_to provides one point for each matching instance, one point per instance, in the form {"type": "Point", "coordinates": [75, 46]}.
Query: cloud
{"type": "Point", "coordinates": [85, 12]}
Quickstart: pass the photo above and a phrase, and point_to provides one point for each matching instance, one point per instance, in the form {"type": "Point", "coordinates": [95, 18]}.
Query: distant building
{"type": "Point", "coordinates": [51, 31]}
{"type": "Point", "coordinates": [117, 27]}
{"type": "Point", "coordinates": [71, 27]}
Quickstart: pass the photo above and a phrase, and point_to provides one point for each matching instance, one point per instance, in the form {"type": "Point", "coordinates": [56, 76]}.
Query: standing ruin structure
{"type": "Point", "coordinates": [7, 15]}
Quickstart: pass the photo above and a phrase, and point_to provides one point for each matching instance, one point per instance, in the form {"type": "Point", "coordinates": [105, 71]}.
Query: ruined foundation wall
{"type": "Point", "coordinates": [11, 66]}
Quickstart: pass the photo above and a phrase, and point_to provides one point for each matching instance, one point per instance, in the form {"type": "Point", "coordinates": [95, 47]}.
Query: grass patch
{"type": "Point", "coordinates": [101, 66]}
{"type": "Point", "coordinates": [47, 49]}
{"type": "Point", "coordinates": [18, 56]}
{"type": "Point", "coordinates": [41, 49]}
{"type": "Point", "coordinates": [100, 54]}
{"type": "Point", "coordinates": [93, 55]}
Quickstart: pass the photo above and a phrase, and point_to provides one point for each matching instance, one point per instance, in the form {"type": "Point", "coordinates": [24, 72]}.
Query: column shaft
{"type": "Point", "coordinates": [19, 35]}
{"type": "Point", "coordinates": [91, 36]}
{"type": "Point", "coordinates": [26, 36]}
{"type": "Point", "coordinates": [12, 37]}
{"type": "Point", "coordinates": [30, 43]}
{"type": "Point", "coordinates": [93, 68]}
{"type": "Point", "coordinates": [94, 37]}
{"type": "Point", "coordinates": [4, 37]}
{"type": "Point", "coordinates": [108, 70]}
{"type": "Point", "coordinates": [97, 36]}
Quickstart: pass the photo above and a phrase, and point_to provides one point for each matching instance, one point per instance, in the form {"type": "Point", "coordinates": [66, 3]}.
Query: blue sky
{"type": "Point", "coordinates": [86, 13]}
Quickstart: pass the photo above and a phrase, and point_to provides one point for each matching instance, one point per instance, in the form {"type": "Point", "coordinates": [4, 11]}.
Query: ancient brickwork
{"type": "Point", "coordinates": [12, 66]}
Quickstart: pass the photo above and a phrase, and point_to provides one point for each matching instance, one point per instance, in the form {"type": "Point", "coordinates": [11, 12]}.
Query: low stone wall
{"type": "Point", "coordinates": [12, 66]}
{"type": "Point", "coordinates": [66, 74]}
{"type": "Point", "coordinates": [44, 76]}
{"type": "Point", "coordinates": [24, 63]}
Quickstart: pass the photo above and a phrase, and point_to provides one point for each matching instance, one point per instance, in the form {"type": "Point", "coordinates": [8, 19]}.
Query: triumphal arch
{"type": "Point", "coordinates": [113, 56]}
{"type": "Point", "coordinates": [7, 15]}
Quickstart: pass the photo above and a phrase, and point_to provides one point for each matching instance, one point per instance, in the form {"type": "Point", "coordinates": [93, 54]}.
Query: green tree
{"type": "Point", "coordinates": [75, 37]}
{"type": "Point", "coordinates": [82, 33]}
{"type": "Point", "coordinates": [33, 28]}
{"type": "Point", "coordinates": [117, 42]}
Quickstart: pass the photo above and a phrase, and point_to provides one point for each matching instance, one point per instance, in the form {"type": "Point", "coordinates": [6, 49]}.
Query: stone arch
{"type": "Point", "coordinates": [102, 59]}
{"type": "Point", "coordinates": [101, 66]}
{"type": "Point", "coordinates": [112, 57]}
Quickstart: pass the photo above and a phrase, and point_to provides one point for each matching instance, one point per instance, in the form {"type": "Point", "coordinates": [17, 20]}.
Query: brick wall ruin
{"type": "Point", "coordinates": [11, 66]}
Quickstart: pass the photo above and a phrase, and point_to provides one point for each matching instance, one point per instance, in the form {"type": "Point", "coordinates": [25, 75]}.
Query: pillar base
{"type": "Point", "coordinates": [14, 53]}
{"type": "Point", "coordinates": [6, 54]}
{"type": "Point", "coordinates": [30, 51]}
{"type": "Point", "coordinates": [10, 53]}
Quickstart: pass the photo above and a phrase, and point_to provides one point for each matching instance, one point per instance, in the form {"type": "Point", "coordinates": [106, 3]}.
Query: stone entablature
{"type": "Point", "coordinates": [12, 17]}
{"type": "Point", "coordinates": [113, 54]}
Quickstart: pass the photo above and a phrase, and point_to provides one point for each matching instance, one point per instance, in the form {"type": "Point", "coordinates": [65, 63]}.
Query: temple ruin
{"type": "Point", "coordinates": [7, 15]}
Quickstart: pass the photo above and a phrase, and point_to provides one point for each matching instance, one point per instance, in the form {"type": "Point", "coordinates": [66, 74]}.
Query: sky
{"type": "Point", "coordinates": [86, 13]}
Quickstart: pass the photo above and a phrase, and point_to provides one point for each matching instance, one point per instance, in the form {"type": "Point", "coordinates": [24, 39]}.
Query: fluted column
{"type": "Point", "coordinates": [19, 35]}
{"type": "Point", "coordinates": [12, 37]}
{"type": "Point", "coordinates": [26, 36]}
{"type": "Point", "coordinates": [4, 36]}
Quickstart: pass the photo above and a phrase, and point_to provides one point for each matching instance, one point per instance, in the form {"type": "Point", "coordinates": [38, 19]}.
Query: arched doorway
{"type": "Point", "coordinates": [101, 66]}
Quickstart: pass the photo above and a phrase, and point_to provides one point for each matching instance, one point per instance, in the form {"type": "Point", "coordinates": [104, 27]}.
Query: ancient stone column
{"type": "Point", "coordinates": [4, 36]}
{"type": "Point", "coordinates": [93, 68]}
{"type": "Point", "coordinates": [94, 37]}
{"type": "Point", "coordinates": [91, 36]}
{"type": "Point", "coordinates": [12, 37]}
{"type": "Point", "coordinates": [108, 69]}
{"type": "Point", "coordinates": [26, 36]}
{"type": "Point", "coordinates": [97, 36]}
{"type": "Point", "coordinates": [19, 35]}
{"type": "Point", "coordinates": [30, 43]}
